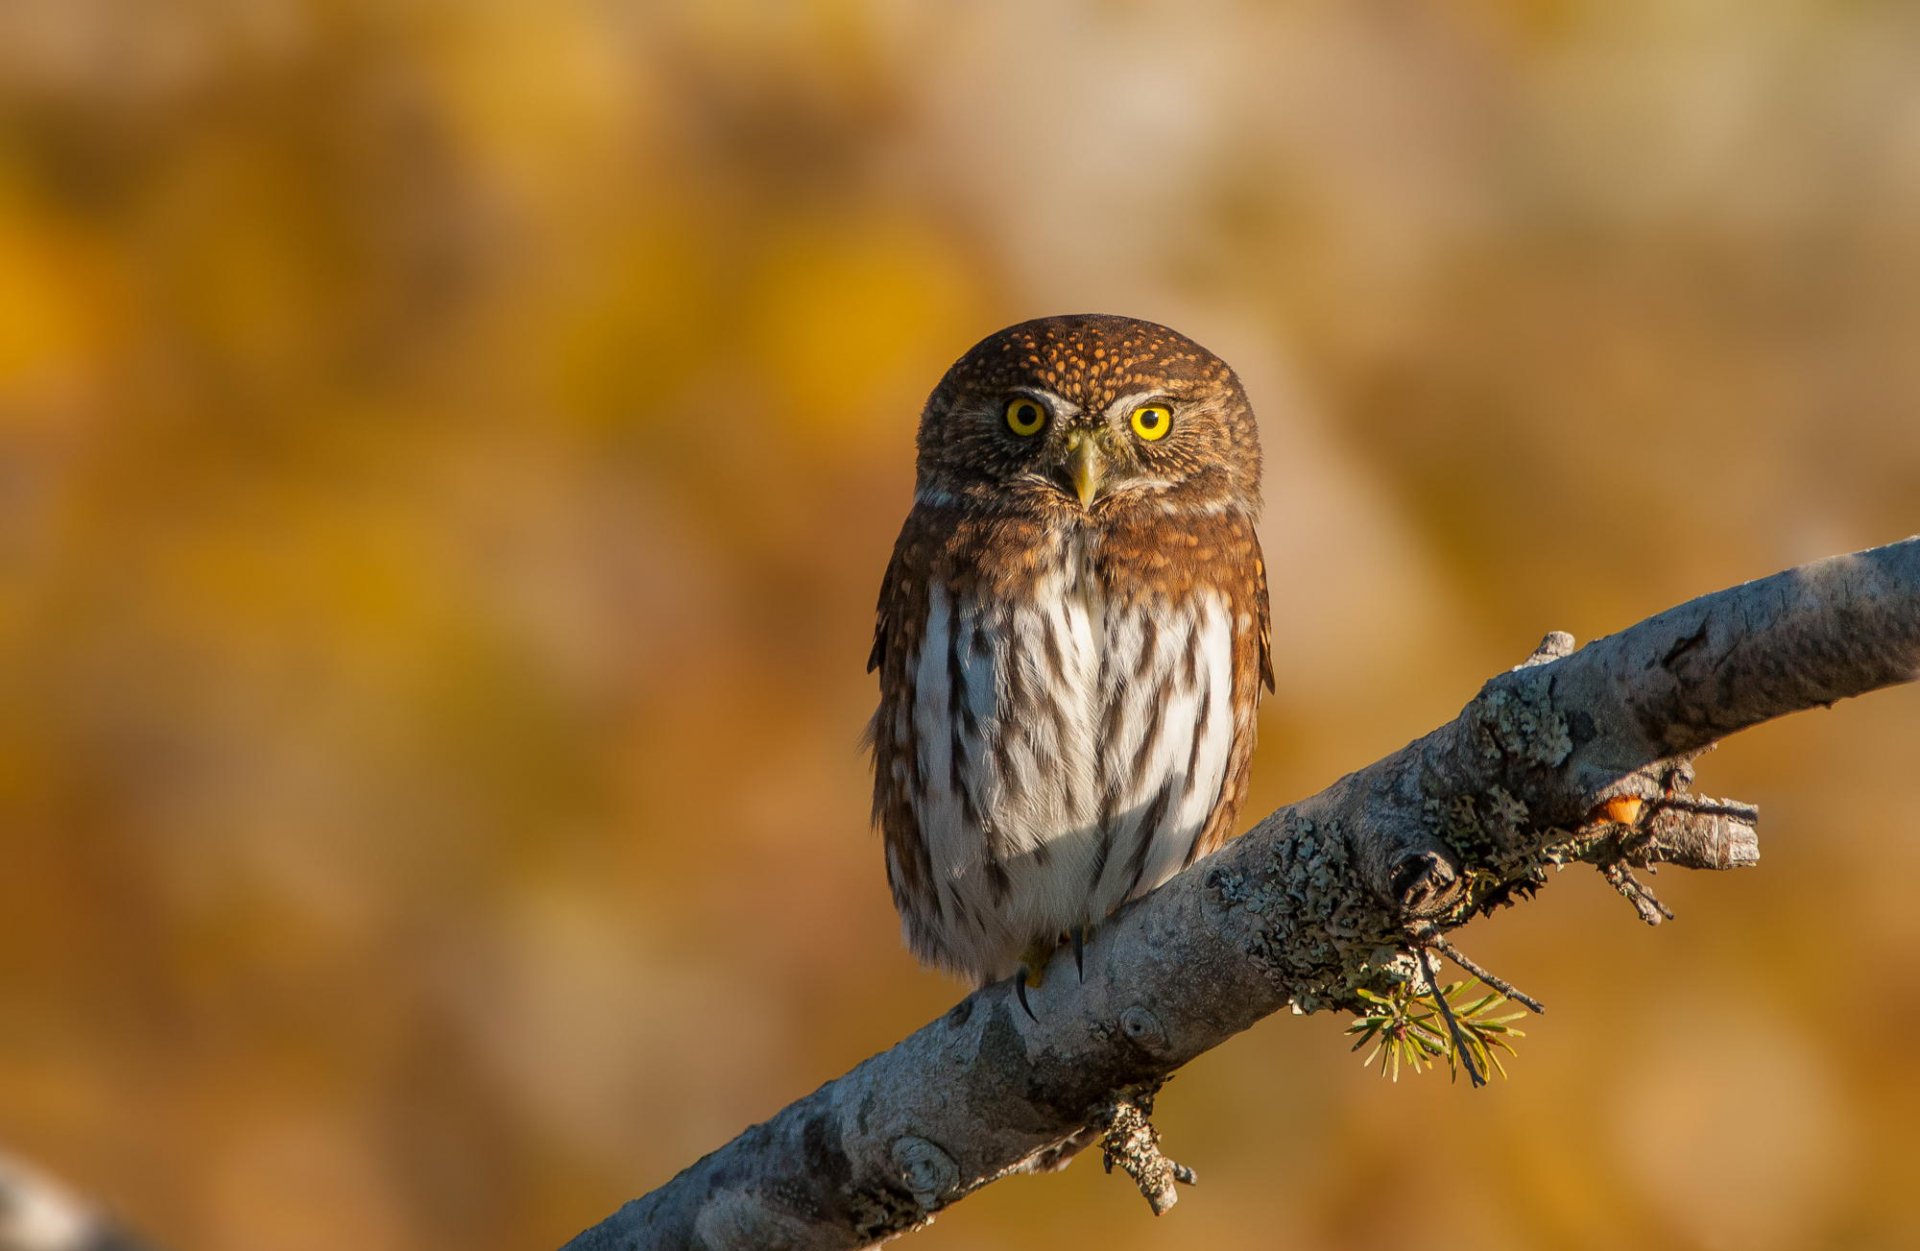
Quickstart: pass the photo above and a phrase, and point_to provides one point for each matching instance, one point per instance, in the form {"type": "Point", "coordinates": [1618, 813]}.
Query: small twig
{"type": "Point", "coordinates": [1430, 937]}
{"type": "Point", "coordinates": [1557, 644]}
{"type": "Point", "coordinates": [1637, 893]}
{"type": "Point", "coordinates": [1708, 806]}
{"type": "Point", "coordinates": [1461, 1048]}
{"type": "Point", "coordinates": [1131, 1141]}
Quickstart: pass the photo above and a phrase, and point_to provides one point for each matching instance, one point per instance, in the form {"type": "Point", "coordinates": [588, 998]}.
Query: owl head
{"type": "Point", "coordinates": [1092, 413]}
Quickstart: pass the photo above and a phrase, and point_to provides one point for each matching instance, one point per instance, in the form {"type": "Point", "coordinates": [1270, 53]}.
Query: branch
{"type": "Point", "coordinates": [1575, 756]}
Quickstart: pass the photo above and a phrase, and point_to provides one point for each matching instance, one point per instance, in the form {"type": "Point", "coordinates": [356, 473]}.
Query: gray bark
{"type": "Point", "coordinates": [1575, 755]}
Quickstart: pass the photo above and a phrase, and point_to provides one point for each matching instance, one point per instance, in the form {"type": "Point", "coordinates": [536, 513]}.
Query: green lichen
{"type": "Point", "coordinates": [1319, 933]}
{"type": "Point", "coordinates": [1488, 831]}
{"type": "Point", "coordinates": [1500, 854]}
{"type": "Point", "coordinates": [1517, 721]}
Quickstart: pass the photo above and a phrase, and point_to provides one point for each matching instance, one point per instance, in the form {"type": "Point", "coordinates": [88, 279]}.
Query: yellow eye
{"type": "Point", "coordinates": [1025, 417]}
{"type": "Point", "coordinates": [1152, 421]}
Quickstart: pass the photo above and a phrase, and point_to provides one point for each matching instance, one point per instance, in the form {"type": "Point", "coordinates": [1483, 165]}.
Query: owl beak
{"type": "Point", "coordinates": [1085, 466]}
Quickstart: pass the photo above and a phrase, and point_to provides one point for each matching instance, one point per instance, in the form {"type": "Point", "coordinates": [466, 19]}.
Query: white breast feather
{"type": "Point", "coordinates": [1038, 780]}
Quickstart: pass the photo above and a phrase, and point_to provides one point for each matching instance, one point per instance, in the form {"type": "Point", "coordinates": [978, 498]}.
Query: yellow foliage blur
{"type": "Point", "coordinates": [448, 452]}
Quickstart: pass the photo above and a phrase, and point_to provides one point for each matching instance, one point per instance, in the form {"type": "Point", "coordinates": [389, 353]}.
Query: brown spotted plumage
{"type": "Point", "coordinates": [1072, 636]}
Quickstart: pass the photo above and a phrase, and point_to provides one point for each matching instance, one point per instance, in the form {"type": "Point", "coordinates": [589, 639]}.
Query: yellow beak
{"type": "Point", "coordinates": [1087, 466]}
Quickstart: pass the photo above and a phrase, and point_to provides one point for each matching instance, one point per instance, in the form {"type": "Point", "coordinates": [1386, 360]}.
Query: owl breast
{"type": "Point", "coordinates": [1068, 751]}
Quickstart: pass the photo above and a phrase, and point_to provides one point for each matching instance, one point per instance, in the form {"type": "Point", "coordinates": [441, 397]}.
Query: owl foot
{"type": "Point", "coordinates": [1032, 971]}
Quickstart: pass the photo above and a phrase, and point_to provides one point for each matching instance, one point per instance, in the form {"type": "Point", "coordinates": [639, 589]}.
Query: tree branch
{"type": "Point", "coordinates": [1573, 756]}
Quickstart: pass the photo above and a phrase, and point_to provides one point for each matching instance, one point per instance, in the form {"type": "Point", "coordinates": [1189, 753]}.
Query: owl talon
{"type": "Point", "coordinates": [1032, 972]}
{"type": "Point", "coordinates": [1020, 993]}
{"type": "Point", "coordinates": [1079, 933]}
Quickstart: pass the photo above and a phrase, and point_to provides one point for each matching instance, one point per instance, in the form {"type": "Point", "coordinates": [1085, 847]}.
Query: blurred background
{"type": "Point", "coordinates": [448, 452]}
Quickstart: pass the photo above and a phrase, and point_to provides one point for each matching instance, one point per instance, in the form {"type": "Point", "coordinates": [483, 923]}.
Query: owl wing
{"type": "Point", "coordinates": [885, 616]}
{"type": "Point", "coordinates": [900, 622]}
{"type": "Point", "coordinates": [899, 615]}
{"type": "Point", "coordinates": [1243, 578]}
{"type": "Point", "coordinates": [1261, 615]}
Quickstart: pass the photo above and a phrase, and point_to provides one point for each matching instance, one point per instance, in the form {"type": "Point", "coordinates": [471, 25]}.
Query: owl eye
{"type": "Point", "coordinates": [1152, 421]}
{"type": "Point", "coordinates": [1025, 417]}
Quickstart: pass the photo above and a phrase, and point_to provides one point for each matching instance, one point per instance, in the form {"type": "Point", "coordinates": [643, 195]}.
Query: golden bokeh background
{"type": "Point", "coordinates": [448, 452]}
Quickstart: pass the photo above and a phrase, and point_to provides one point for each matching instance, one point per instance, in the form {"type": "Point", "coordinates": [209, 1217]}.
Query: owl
{"type": "Point", "coordinates": [1072, 636]}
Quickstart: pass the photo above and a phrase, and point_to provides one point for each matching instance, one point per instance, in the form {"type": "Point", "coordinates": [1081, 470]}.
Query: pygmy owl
{"type": "Point", "coordinates": [1072, 638]}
